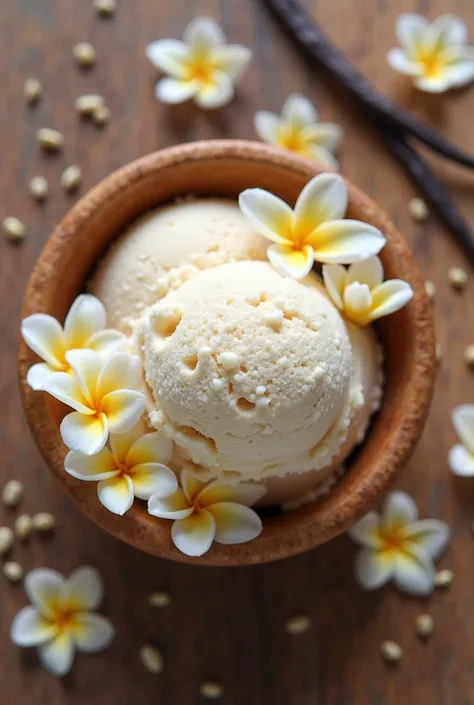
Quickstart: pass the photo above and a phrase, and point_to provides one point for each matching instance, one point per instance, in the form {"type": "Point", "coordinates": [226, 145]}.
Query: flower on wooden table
{"type": "Point", "coordinates": [84, 327]}
{"type": "Point", "coordinates": [315, 230]}
{"type": "Point", "coordinates": [135, 465]}
{"type": "Point", "coordinates": [461, 455]}
{"type": "Point", "coordinates": [435, 54]}
{"type": "Point", "coordinates": [398, 546]}
{"type": "Point", "coordinates": [104, 395]}
{"type": "Point", "coordinates": [361, 293]}
{"type": "Point", "coordinates": [202, 66]}
{"type": "Point", "coordinates": [206, 512]}
{"type": "Point", "coordinates": [298, 129]}
{"type": "Point", "coordinates": [60, 619]}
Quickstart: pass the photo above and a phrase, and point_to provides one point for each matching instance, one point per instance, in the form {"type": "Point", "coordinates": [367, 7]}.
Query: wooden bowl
{"type": "Point", "coordinates": [225, 168]}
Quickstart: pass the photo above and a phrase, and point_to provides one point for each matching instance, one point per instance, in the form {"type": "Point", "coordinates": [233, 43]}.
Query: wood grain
{"type": "Point", "coordinates": [229, 623]}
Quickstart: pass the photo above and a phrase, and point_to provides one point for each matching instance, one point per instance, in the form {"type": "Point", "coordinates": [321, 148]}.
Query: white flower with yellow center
{"type": "Point", "coordinates": [461, 456]}
{"type": "Point", "coordinates": [84, 327]}
{"type": "Point", "coordinates": [435, 54]}
{"type": "Point", "coordinates": [314, 230]}
{"type": "Point", "coordinates": [202, 66]}
{"type": "Point", "coordinates": [104, 395]}
{"type": "Point", "coordinates": [361, 293]}
{"type": "Point", "coordinates": [135, 465]}
{"type": "Point", "coordinates": [298, 129]}
{"type": "Point", "coordinates": [399, 546]}
{"type": "Point", "coordinates": [60, 620]}
{"type": "Point", "coordinates": [207, 512]}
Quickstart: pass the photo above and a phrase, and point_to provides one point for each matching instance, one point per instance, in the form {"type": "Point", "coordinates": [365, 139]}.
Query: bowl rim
{"type": "Point", "coordinates": [327, 519]}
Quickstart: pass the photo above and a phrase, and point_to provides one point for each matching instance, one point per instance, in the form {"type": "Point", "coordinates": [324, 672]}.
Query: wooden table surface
{"type": "Point", "coordinates": [228, 624]}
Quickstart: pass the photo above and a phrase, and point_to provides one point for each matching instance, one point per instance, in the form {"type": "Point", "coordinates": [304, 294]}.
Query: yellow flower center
{"type": "Point", "coordinates": [63, 617]}
{"type": "Point", "coordinates": [200, 69]}
{"type": "Point", "coordinates": [293, 141]}
{"type": "Point", "coordinates": [432, 62]}
{"type": "Point", "coordinates": [392, 540]}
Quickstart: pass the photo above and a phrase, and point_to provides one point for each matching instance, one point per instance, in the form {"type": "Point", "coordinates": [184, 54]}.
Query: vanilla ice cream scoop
{"type": "Point", "coordinates": [249, 371]}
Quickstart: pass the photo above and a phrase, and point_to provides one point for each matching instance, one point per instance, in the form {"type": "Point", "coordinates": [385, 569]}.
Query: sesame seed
{"type": "Point", "coordinates": [418, 209]}
{"type": "Point", "coordinates": [151, 658]}
{"type": "Point", "coordinates": [105, 8]}
{"type": "Point", "coordinates": [32, 90]}
{"type": "Point", "coordinates": [43, 521]}
{"type": "Point", "coordinates": [469, 356]}
{"type": "Point", "coordinates": [23, 526]}
{"type": "Point", "coordinates": [71, 178]}
{"type": "Point", "coordinates": [391, 651]}
{"type": "Point", "coordinates": [211, 689]}
{"type": "Point", "coordinates": [13, 229]}
{"type": "Point", "coordinates": [101, 116]}
{"type": "Point", "coordinates": [86, 104]}
{"type": "Point", "coordinates": [438, 353]}
{"type": "Point", "coordinates": [159, 599]}
{"type": "Point", "coordinates": [430, 289]}
{"type": "Point", "coordinates": [12, 493]}
{"type": "Point", "coordinates": [444, 578]}
{"type": "Point", "coordinates": [298, 624]}
{"type": "Point", "coordinates": [85, 54]}
{"type": "Point", "coordinates": [38, 188]}
{"type": "Point", "coordinates": [6, 539]}
{"type": "Point", "coordinates": [49, 139]}
{"type": "Point", "coordinates": [13, 571]}
{"type": "Point", "coordinates": [457, 277]}
{"type": "Point", "coordinates": [424, 625]}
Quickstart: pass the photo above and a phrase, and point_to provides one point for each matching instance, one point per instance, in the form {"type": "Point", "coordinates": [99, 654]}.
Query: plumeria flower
{"type": "Point", "coordinates": [60, 619]}
{"type": "Point", "coordinates": [104, 395]}
{"type": "Point", "coordinates": [202, 66]}
{"type": "Point", "coordinates": [299, 130]}
{"type": "Point", "coordinates": [434, 54]}
{"type": "Point", "coordinates": [399, 546]}
{"type": "Point", "coordinates": [135, 465]}
{"type": "Point", "coordinates": [461, 456]}
{"type": "Point", "coordinates": [206, 512]}
{"type": "Point", "coordinates": [361, 293]}
{"type": "Point", "coordinates": [314, 230]}
{"type": "Point", "coordinates": [84, 327]}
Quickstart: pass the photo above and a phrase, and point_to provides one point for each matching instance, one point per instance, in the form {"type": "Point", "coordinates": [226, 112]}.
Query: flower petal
{"type": "Point", "coordinates": [345, 241]}
{"type": "Point", "coordinates": [84, 589]}
{"type": "Point", "coordinates": [399, 510]}
{"type": "Point", "coordinates": [30, 628]}
{"type": "Point", "coordinates": [120, 371]}
{"type": "Point", "coordinates": [203, 35]}
{"type": "Point", "coordinates": [366, 531]}
{"type": "Point", "coordinates": [334, 276]}
{"type": "Point", "coordinates": [291, 262]}
{"type": "Point", "coordinates": [235, 523]}
{"type": "Point", "coordinates": [461, 461]}
{"type": "Point", "coordinates": [169, 56]}
{"type": "Point", "coordinates": [92, 632]}
{"type": "Point", "coordinates": [86, 317]}
{"type": "Point", "coordinates": [357, 299]}
{"type": "Point", "coordinates": [44, 588]}
{"type": "Point", "coordinates": [122, 409]}
{"type": "Point", "coordinates": [96, 467]}
{"type": "Point", "coordinates": [268, 214]}
{"type": "Point", "coordinates": [173, 506]}
{"type": "Point", "coordinates": [399, 61]}
{"type": "Point", "coordinates": [57, 655]}
{"type": "Point", "coordinates": [414, 571]}
{"type": "Point", "coordinates": [463, 422]}
{"type": "Point", "coordinates": [298, 112]}
{"type": "Point", "coordinates": [38, 375]}
{"type": "Point", "coordinates": [65, 387]}
{"type": "Point", "coordinates": [324, 134]}
{"type": "Point", "coordinates": [217, 491]}
{"type": "Point", "coordinates": [460, 73]}
{"type": "Point", "coordinates": [84, 434]}
{"type": "Point", "coordinates": [116, 494]}
{"type": "Point", "coordinates": [152, 478]}
{"type": "Point", "coordinates": [389, 297]}
{"type": "Point", "coordinates": [191, 485]}
{"type": "Point", "coordinates": [107, 342]}
{"type": "Point", "coordinates": [173, 91]}
{"type": "Point", "coordinates": [215, 93]}
{"type": "Point", "coordinates": [321, 155]}
{"type": "Point", "coordinates": [86, 365]}
{"type": "Point", "coordinates": [432, 84]}
{"type": "Point", "coordinates": [44, 335]}
{"type": "Point", "coordinates": [431, 535]}
{"type": "Point", "coordinates": [368, 271]}
{"type": "Point", "coordinates": [267, 126]}
{"type": "Point", "coordinates": [410, 30]}
{"type": "Point", "coordinates": [446, 31]}
{"type": "Point", "coordinates": [150, 448]}
{"type": "Point", "coordinates": [233, 60]}
{"type": "Point", "coordinates": [323, 199]}
{"type": "Point", "coordinates": [373, 568]}
{"type": "Point", "coordinates": [194, 534]}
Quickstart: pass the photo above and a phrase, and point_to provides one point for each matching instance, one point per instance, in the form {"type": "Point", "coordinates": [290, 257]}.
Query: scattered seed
{"type": "Point", "coordinates": [85, 55]}
{"type": "Point", "coordinates": [6, 539]}
{"type": "Point", "coordinates": [12, 493]}
{"type": "Point", "coordinates": [23, 526]}
{"type": "Point", "coordinates": [71, 178]}
{"type": "Point", "coordinates": [391, 651]}
{"type": "Point", "coordinates": [43, 521]}
{"type": "Point", "coordinates": [151, 658]}
{"type": "Point", "coordinates": [457, 277]}
{"type": "Point", "coordinates": [106, 8]}
{"type": "Point", "coordinates": [430, 289]}
{"type": "Point", "coordinates": [49, 139]}
{"type": "Point", "coordinates": [211, 689]}
{"type": "Point", "coordinates": [418, 209]}
{"type": "Point", "coordinates": [444, 578]}
{"type": "Point", "coordinates": [438, 353]}
{"type": "Point", "coordinates": [469, 356]}
{"type": "Point", "coordinates": [298, 624]}
{"type": "Point", "coordinates": [32, 90]}
{"type": "Point", "coordinates": [86, 104]}
{"type": "Point", "coordinates": [38, 188]}
{"type": "Point", "coordinates": [424, 625]}
{"type": "Point", "coordinates": [12, 571]}
{"type": "Point", "coordinates": [13, 229]}
{"type": "Point", "coordinates": [101, 116]}
{"type": "Point", "coordinates": [159, 599]}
